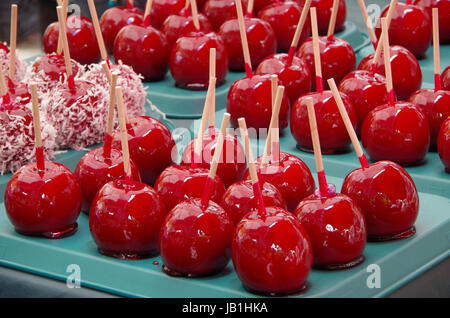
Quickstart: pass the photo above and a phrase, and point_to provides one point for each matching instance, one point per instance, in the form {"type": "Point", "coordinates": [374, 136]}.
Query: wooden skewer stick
{"type": "Point", "coordinates": [107, 71]}
{"type": "Point", "coordinates": [209, 185]}
{"type": "Point", "coordinates": [348, 123]}
{"type": "Point", "coordinates": [387, 61]}
{"type": "Point", "coordinates": [148, 9]}
{"type": "Point", "coordinates": [315, 36]}
{"type": "Point", "coordinates": [298, 31]}
{"type": "Point", "coordinates": [62, 28]}
{"type": "Point", "coordinates": [186, 6]}
{"type": "Point", "coordinates": [123, 134]}
{"type": "Point", "coordinates": [436, 55]}
{"type": "Point", "coordinates": [323, 185]}
{"type": "Point", "coordinates": [65, 5]}
{"type": "Point", "coordinates": [243, 33]}
{"type": "Point", "coordinates": [13, 42]}
{"type": "Point", "coordinates": [195, 14]}
{"type": "Point", "coordinates": [98, 32]}
{"type": "Point", "coordinates": [268, 145]}
{"type": "Point", "coordinates": [251, 165]}
{"type": "Point", "coordinates": [212, 74]}
{"type": "Point", "coordinates": [3, 86]}
{"type": "Point", "coordinates": [110, 121]}
{"type": "Point", "coordinates": [389, 16]}
{"type": "Point", "coordinates": [250, 6]}
{"type": "Point", "coordinates": [372, 35]}
{"type": "Point", "coordinates": [40, 160]}
{"type": "Point", "coordinates": [332, 23]}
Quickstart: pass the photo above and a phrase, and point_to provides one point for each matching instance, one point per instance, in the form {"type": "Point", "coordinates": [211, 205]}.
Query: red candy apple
{"type": "Point", "coordinates": [250, 97]}
{"type": "Point", "coordinates": [53, 66]}
{"type": "Point", "coordinates": [283, 17]}
{"type": "Point", "coordinates": [239, 199]}
{"type": "Point", "coordinates": [444, 16]}
{"type": "Point", "coordinates": [179, 183]}
{"type": "Point", "coordinates": [324, 8]}
{"type": "Point", "coordinates": [406, 72]}
{"type": "Point", "coordinates": [445, 77]}
{"type": "Point", "coordinates": [19, 91]}
{"type": "Point", "coordinates": [114, 19]}
{"type": "Point", "coordinates": [161, 9]}
{"type": "Point", "coordinates": [125, 219]}
{"type": "Point", "coordinates": [435, 104]}
{"type": "Point", "coordinates": [271, 253]}
{"type": "Point", "coordinates": [151, 146]}
{"type": "Point", "coordinates": [332, 132]}
{"type": "Point", "coordinates": [387, 197]}
{"type": "Point", "coordinates": [94, 170]}
{"type": "Point", "coordinates": [258, 5]}
{"type": "Point", "coordinates": [80, 36]}
{"type": "Point", "coordinates": [397, 132]}
{"type": "Point", "coordinates": [195, 240]}
{"type": "Point", "coordinates": [444, 144]}
{"type": "Point", "coordinates": [366, 90]}
{"type": "Point", "coordinates": [295, 76]}
{"type": "Point", "coordinates": [219, 11]}
{"type": "Point", "coordinates": [189, 62]}
{"type": "Point", "coordinates": [336, 228]}
{"type": "Point", "coordinates": [261, 38]}
{"type": "Point", "coordinates": [337, 57]}
{"type": "Point", "coordinates": [290, 175]}
{"type": "Point", "coordinates": [43, 202]}
{"type": "Point", "coordinates": [410, 27]}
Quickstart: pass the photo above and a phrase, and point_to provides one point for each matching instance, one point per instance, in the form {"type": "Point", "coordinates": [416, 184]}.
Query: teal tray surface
{"type": "Point", "coordinates": [181, 103]}
{"type": "Point", "coordinates": [399, 262]}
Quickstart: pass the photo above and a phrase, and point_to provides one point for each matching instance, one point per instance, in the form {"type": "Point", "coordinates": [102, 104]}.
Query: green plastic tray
{"type": "Point", "coordinates": [70, 158]}
{"type": "Point", "coordinates": [181, 103]}
{"type": "Point", "coordinates": [399, 262]}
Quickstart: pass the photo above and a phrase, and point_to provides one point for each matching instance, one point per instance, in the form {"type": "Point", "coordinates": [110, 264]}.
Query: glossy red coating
{"type": "Point", "coordinates": [189, 60]}
{"type": "Point", "coordinates": [162, 9]}
{"type": "Point", "coordinates": [19, 91]}
{"type": "Point", "coordinates": [239, 199]}
{"type": "Point", "coordinates": [251, 98]}
{"type": "Point", "coordinates": [179, 183]}
{"type": "Point", "coordinates": [43, 202]}
{"type": "Point", "coordinates": [295, 77]}
{"type": "Point", "coordinates": [366, 90]}
{"type": "Point", "coordinates": [284, 17]}
{"type": "Point", "coordinates": [323, 9]}
{"type": "Point", "coordinates": [386, 195]}
{"type": "Point", "coordinates": [410, 27]}
{"type": "Point", "coordinates": [80, 36]}
{"type": "Point", "coordinates": [151, 146]}
{"type": "Point", "coordinates": [290, 175]}
{"type": "Point", "coordinates": [332, 132]}
{"type": "Point", "coordinates": [406, 72]}
{"type": "Point", "coordinates": [335, 226]}
{"type": "Point", "coordinates": [398, 132]}
{"type": "Point", "coordinates": [219, 11]}
{"type": "Point", "coordinates": [444, 144]}
{"type": "Point", "coordinates": [125, 219]}
{"type": "Point", "coordinates": [195, 240]}
{"type": "Point", "coordinates": [444, 16]}
{"type": "Point", "coordinates": [114, 19]}
{"type": "Point", "coordinates": [445, 77]}
{"type": "Point", "coordinates": [337, 58]}
{"type": "Point", "coordinates": [53, 66]}
{"type": "Point", "coordinates": [94, 170]}
{"type": "Point", "coordinates": [4, 47]}
{"type": "Point", "coordinates": [232, 162]}
{"type": "Point", "coordinates": [436, 106]}
{"type": "Point", "coordinates": [261, 39]}
{"type": "Point", "coordinates": [272, 253]}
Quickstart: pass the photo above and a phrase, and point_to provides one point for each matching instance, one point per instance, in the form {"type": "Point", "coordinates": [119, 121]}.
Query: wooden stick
{"type": "Point", "coordinates": [348, 123]}
{"type": "Point", "coordinates": [40, 160]}
{"type": "Point", "coordinates": [98, 32]}
{"type": "Point", "coordinates": [387, 61]}
{"type": "Point", "coordinates": [250, 6]}
{"type": "Point", "coordinates": [110, 121]}
{"type": "Point", "coordinates": [212, 74]}
{"type": "Point", "coordinates": [186, 5]}
{"type": "Point", "coordinates": [268, 145]}
{"type": "Point", "coordinates": [62, 28]}
{"type": "Point", "coordinates": [372, 35]}
{"type": "Point", "coordinates": [315, 36]}
{"type": "Point", "coordinates": [107, 71]}
{"type": "Point", "coordinates": [3, 85]}
{"type": "Point", "coordinates": [13, 42]}
{"type": "Point", "coordinates": [251, 165]}
{"type": "Point", "coordinates": [123, 134]}
{"type": "Point", "coordinates": [148, 9]}
{"type": "Point", "coordinates": [332, 23]}
{"type": "Point", "coordinates": [243, 33]}
{"type": "Point", "coordinates": [209, 185]}
{"type": "Point", "coordinates": [436, 55]}
{"type": "Point", "coordinates": [298, 31]}
{"type": "Point", "coordinates": [323, 185]}
{"type": "Point", "coordinates": [195, 14]}
{"type": "Point", "coordinates": [389, 15]}
{"type": "Point", "coordinates": [65, 5]}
